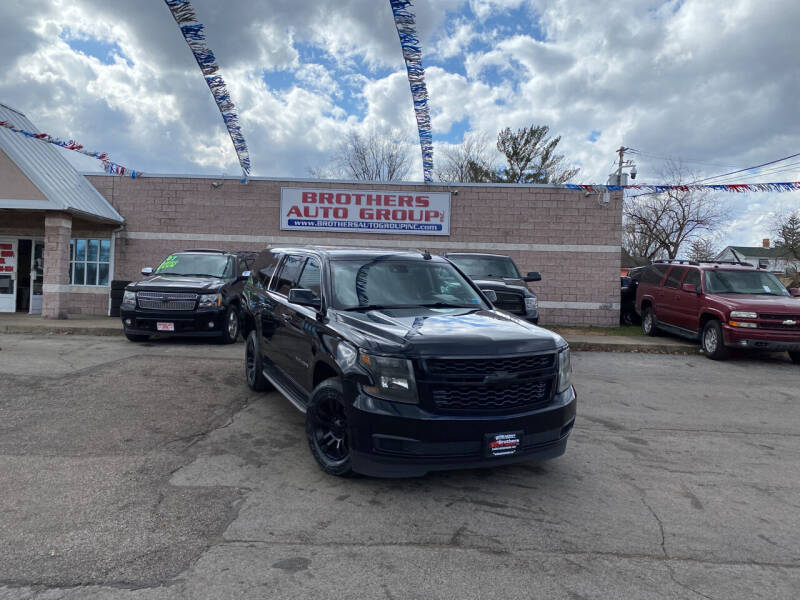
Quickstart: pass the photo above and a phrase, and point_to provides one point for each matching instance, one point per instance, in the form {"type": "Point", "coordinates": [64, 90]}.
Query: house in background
{"type": "Point", "coordinates": [778, 259]}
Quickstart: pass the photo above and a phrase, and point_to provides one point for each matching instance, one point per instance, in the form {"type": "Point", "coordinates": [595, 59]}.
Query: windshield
{"type": "Point", "coordinates": [482, 267]}
{"type": "Point", "coordinates": [214, 265]}
{"type": "Point", "coordinates": [744, 282]}
{"type": "Point", "coordinates": [388, 283]}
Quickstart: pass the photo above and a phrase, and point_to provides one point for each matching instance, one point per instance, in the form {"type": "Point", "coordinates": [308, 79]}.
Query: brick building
{"type": "Point", "coordinates": [570, 236]}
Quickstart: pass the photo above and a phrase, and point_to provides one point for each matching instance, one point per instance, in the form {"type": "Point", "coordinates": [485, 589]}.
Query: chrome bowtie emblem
{"type": "Point", "coordinates": [790, 323]}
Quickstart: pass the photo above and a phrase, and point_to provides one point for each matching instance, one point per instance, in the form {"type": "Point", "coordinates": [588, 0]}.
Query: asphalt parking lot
{"type": "Point", "coordinates": [151, 471]}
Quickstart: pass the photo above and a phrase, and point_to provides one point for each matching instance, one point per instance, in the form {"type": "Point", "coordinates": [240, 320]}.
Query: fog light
{"type": "Point", "coordinates": [743, 342]}
{"type": "Point", "coordinates": [128, 322]}
{"type": "Point", "coordinates": [211, 324]}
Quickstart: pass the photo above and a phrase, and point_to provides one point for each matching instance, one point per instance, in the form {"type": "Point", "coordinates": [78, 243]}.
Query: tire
{"type": "Point", "coordinates": [795, 356]}
{"type": "Point", "coordinates": [712, 342]}
{"type": "Point", "coordinates": [649, 322]}
{"type": "Point", "coordinates": [136, 337]}
{"type": "Point", "coordinates": [326, 429]}
{"type": "Point", "coordinates": [231, 326]}
{"type": "Point", "coordinates": [253, 366]}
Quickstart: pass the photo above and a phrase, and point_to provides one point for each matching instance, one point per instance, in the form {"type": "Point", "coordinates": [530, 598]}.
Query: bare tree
{"type": "Point", "coordinates": [375, 156]}
{"type": "Point", "coordinates": [786, 229]}
{"type": "Point", "coordinates": [640, 244]}
{"type": "Point", "coordinates": [463, 162]}
{"type": "Point", "coordinates": [703, 248]}
{"type": "Point", "coordinates": [665, 222]}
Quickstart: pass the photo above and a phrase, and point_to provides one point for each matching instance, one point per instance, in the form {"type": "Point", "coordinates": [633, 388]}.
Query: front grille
{"type": "Point", "coordinates": [485, 366]}
{"type": "Point", "coordinates": [771, 317]}
{"type": "Point", "coordinates": [511, 302]}
{"type": "Point", "coordinates": [166, 300]}
{"type": "Point", "coordinates": [488, 385]}
{"type": "Point", "coordinates": [528, 396]}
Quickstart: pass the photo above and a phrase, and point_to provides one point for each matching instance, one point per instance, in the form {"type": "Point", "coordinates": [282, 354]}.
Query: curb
{"type": "Point", "coordinates": [635, 348]}
{"type": "Point", "coordinates": [56, 330]}
{"type": "Point", "coordinates": [578, 346]}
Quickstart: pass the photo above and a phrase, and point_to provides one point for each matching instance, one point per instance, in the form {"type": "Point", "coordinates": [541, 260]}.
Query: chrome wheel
{"type": "Point", "coordinates": [233, 325]}
{"type": "Point", "coordinates": [710, 340]}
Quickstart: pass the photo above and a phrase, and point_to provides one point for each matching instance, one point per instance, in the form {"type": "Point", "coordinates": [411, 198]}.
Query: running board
{"type": "Point", "coordinates": [287, 392]}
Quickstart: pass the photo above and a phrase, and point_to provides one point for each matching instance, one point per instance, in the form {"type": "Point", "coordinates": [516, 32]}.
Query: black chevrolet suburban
{"type": "Point", "coordinates": [191, 293]}
{"type": "Point", "coordinates": [499, 273]}
{"type": "Point", "coordinates": [401, 363]}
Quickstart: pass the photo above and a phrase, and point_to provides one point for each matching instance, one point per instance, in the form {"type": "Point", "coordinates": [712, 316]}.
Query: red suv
{"type": "Point", "coordinates": [724, 305]}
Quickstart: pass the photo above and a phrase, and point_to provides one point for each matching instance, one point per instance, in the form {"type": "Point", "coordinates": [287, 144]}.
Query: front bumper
{"type": "Point", "coordinates": [394, 440]}
{"type": "Point", "coordinates": [761, 339]}
{"type": "Point", "coordinates": [198, 323]}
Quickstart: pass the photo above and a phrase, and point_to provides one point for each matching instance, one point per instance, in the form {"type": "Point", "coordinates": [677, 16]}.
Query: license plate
{"type": "Point", "coordinates": [165, 326]}
{"type": "Point", "coordinates": [503, 444]}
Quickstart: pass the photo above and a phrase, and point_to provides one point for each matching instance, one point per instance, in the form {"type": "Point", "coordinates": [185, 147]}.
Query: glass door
{"type": "Point", "coordinates": [8, 275]}
{"type": "Point", "coordinates": [37, 276]}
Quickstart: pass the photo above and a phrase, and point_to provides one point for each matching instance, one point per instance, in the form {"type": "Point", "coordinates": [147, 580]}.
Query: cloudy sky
{"type": "Point", "coordinates": [714, 84]}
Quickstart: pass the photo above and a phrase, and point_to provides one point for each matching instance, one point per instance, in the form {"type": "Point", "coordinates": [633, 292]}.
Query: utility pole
{"type": "Point", "coordinates": [621, 153]}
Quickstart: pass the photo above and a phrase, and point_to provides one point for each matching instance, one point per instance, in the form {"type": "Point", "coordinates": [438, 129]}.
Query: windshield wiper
{"type": "Point", "coordinates": [448, 305]}
{"type": "Point", "coordinates": [189, 274]}
{"type": "Point", "coordinates": [378, 306]}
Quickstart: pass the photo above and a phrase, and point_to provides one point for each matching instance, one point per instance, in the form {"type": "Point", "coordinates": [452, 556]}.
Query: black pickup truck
{"type": "Point", "coordinates": [498, 272]}
{"type": "Point", "coordinates": [191, 293]}
{"type": "Point", "coordinates": [401, 364]}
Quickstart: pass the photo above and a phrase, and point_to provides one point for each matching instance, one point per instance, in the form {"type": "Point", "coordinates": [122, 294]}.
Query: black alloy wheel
{"type": "Point", "coordinates": [712, 342]}
{"type": "Point", "coordinates": [230, 328]}
{"type": "Point", "coordinates": [327, 431]}
{"type": "Point", "coordinates": [649, 322]}
{"type": "Point", "coordinates": [253, 367]}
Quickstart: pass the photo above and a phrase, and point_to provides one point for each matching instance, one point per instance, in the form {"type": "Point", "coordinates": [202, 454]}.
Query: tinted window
{"type": "Point", "coordinates": [310, 279]}
{"type": "Point", "coordinates": [675, 276]}
{"type": "Point", "coordinates": [482, 267]}
{"type": "Point", "coordinates": [693, 276]}
{"type": "Point", "coordinates": [653, 274]}
{"type": "Point", "coordinates": [288, 275]}
{"type": "Point", "coordinates": [264, 267]}
{"type": "Point", "coordinates": [744, 282]}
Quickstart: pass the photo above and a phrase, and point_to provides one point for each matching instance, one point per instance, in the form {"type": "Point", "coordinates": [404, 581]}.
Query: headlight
{"type": "Point", "coordinates": [740, 314]}
{"type": "Point", "coordinates": [210, 300]}
{"type": "Point", "coordinates": [564, 371]}
{"type": "Point", "coordinates": [129, 298]}
{"type": "Point", "coordinates": [392, 378]}
{"type": "Point", "coordinates": [531, 303]}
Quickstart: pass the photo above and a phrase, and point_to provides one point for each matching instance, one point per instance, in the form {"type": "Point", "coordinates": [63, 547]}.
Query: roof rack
{"type": "Point", "coordinates": [727, 262]}
{"type": "Point", "coordinates": [677, 261]}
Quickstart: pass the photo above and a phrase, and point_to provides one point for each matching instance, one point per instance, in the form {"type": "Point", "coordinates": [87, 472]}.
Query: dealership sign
{"type": "Point", "coordinates": [365, 211]}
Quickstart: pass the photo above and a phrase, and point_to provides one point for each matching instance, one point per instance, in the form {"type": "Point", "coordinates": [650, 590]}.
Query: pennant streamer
{"type": "Point", "coordinates": [783, 186]}
{"type": "Point", "coordinates": [108, 166]}
{"type": "Point", "coordinates": [412, 53]}
{"type": "Point", "coordinates": [195, 37]}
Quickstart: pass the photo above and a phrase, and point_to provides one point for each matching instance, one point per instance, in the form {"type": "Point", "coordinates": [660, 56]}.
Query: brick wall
{"type": "Point", "coordinates": [57, 232]}
{"type": "Point", "coordinates": [163, 214]}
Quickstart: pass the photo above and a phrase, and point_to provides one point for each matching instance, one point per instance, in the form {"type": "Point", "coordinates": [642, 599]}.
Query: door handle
{"type": "Point", "coordinates": [286, 316]}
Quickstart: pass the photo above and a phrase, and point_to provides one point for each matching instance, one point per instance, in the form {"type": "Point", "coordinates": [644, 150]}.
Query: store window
{"type": "Point", "coordinates": [89, 261]}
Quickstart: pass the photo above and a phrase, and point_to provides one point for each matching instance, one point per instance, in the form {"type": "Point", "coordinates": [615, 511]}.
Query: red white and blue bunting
{"type": "Point", "coordinates": [783, 186]}
{"type": "Point", "coordinates": [412, 53]}
{"type": "Point", "coordinates": [108, 165]}
{"type": "Point", "coordinates": [194, 34]}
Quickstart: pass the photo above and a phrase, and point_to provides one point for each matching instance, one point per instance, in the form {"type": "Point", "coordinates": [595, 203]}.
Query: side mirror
{"type": "Point", "coordinates": [690, 287]}
{"type": "Point", "coordinates": [794, 292]}
{"type": "Point", "coordinates": [532, 276]}
{"type": "Point", "coordinates": [303, 297]}
{"type": "Point", "coordinates": [244, 276]}
{"type": "Point", "coordinates": [147, 271]}
{"type": "Point", "coordinates": [491, 295]}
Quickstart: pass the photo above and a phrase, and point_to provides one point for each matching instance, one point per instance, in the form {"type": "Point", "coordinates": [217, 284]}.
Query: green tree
{"type": "Point", "coordinates": [786, 229]}
{"type": "Point", "coordinates": [532, 157]}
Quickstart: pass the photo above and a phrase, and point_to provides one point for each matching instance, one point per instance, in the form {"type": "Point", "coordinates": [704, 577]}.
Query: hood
{"type": "Point", "coordinates": [759, 303]}
{"type": "Point", "coordinates": [446, 332]}
{"type": "Point", "coordinates": [175, 283]}
{"type": "Point", "coordinates": [514, 285]}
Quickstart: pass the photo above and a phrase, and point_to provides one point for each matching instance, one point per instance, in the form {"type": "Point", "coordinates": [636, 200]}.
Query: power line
{"type": "Point", "coordinates": [681, 159]}
{"type": "Point", "coordinates": [748, 168]}
{"type": "Point", "coordinates": [771, 171]}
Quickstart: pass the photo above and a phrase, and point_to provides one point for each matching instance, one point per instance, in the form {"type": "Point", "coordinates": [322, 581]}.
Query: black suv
{"type": "Point", "coordinates": [401, 363]}
{"type": "Point", "coordinates": [192, 293]}
{"type": "Point", "coordinates": [499, 273]}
